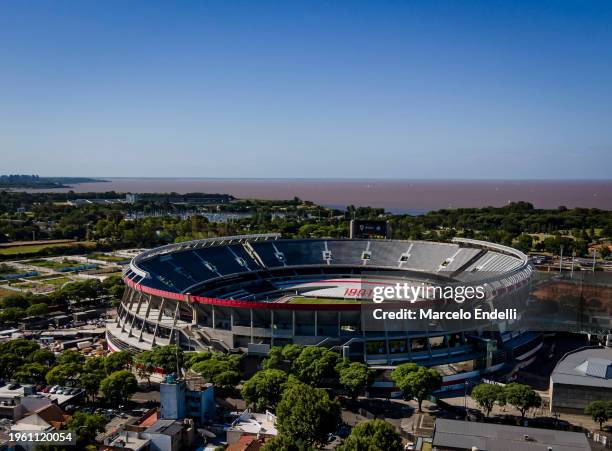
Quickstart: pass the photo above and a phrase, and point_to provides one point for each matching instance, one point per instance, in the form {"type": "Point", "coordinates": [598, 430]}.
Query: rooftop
{"type": "Point", "coordinates": [457, 434]}
{"type": "Point", "coordinates": [588, 366]}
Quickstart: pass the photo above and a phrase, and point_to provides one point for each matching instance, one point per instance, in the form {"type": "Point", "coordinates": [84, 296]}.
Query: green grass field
{"type": "Point", "coordinates": [55, 264]}
{"type": "Point", "coordinates": [307, 300]}
{"type": "Point", "coordinates": [34, 248]}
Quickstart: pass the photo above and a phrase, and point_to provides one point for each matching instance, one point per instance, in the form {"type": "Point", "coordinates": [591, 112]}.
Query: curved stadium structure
{"type": "Point", "coordinates": [247, 293]}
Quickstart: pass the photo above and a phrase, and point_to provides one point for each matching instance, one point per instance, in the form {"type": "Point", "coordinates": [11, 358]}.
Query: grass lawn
{"type": "Point", "coordinates": [57, 282]}
{"type": "Point", "coordinates": [108, 258]}
{"type": "Point", "coordinates": [306, 300]}
{"type": "Point", "coordinates": [55, 264]}
{"type": "Point", "coordinates": [34, 248]}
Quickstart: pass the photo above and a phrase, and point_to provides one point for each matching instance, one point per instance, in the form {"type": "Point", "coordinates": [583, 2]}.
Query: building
{"type": "Point", "coordinates": [248, 293]}
{"type": "Point", "coordinates": [163, 435]}
{"type": "Point", "coordinates": [17, 400]}
{"type": "Point", "coordinates": [455, 435]}
{"type": "Point", "coordinates": [131, 198]}
{"type": "Point", "coordinates": [580, 377]}
{"type": "Point", "coordinates": [246, 443]}
{"type": "Point", "coordinates": [252, 424]}
{"type": "Point", "coordinates": [190, 398]}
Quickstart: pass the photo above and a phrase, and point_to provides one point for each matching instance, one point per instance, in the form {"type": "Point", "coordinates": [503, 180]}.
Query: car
{"type": "Point", "coordinates": [13, 386]}
{"type": "Point", "coordinates": [46, 389]}
{"type": "Point", "coordinates": [75, 391]}
{"type": "Point", "coordinates": [54, 389]}
{"type": "Point", "coordinates": [59, 391]}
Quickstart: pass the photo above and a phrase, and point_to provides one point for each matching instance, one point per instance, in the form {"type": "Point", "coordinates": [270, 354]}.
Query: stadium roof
{"type": "Point", "coordinates": [588, 366]}
{"type": "Point", "coordinates": [456, 434]}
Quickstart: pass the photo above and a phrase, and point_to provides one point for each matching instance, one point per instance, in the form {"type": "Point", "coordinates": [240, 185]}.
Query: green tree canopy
{"type": "Point", "coordinates": [264, 389]}
{"type": "Point", "coordinates": [373, 435]}
{"type": "Point", "coordinates": [64, 373]}
{"type": "Point", "coordinates": [31, 373]}
{"type": "Point", "coordinates": [86, 426]}
{"type": "Point", "coordinates": [221, 370]}
{"type": "Point", "coordinates": [522, 397]}
{"type": "Point", "coordinates": [117, 361]}
{"type": "Point", "coordinates": [307, 414]}
{"type": "Point", "coordinates": [600, 411]}
{"type": "Point", "coordinates": [317, 366]}
{"type": "Point", "coordinates": [119, 386]}
{"type": "Point", "coordinates": [355, 378]}
{"type": "Point", "coordinates": [9, 363]}
{"type": "Point", "coordinates": [145, 365]}
{"type": "Point", "coordinates": [284, 443]}
{"type": "Point", "coordinates": [71, 356]}
{"type": "Point", "coordinates": [168, 358]}
{"type": "Point", "coordinates": [486, 395]}
{"type": "Point", "coordinates": [416, 381]}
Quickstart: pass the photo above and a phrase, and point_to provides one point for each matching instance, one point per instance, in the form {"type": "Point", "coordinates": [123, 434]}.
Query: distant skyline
{"type": "Point", "coordinates": [369, 90]}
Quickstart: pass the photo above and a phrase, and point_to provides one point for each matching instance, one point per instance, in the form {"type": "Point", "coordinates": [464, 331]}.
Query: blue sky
{"type": "Point", "coordinates": [381, 89]}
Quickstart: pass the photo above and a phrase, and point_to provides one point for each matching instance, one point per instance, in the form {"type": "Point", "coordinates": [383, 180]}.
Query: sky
{"type": "Point", "coordinates": [325, 89]}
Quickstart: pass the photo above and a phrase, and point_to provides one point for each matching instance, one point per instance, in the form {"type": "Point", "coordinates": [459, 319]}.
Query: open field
{"type": "Point", "coordinates": [307, 300]}
{"type": "Point", "coordinates": [34, 248]}
{"type": "Point", "coordinates": [55, 264]}
{"type": "Point", "coordinates": [107, 258]}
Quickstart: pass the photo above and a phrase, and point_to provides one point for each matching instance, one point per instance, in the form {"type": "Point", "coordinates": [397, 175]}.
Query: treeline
{"type": "Point", "coordinates": [35, 181]}
{"type": "Point", "coordinates": [14, 307]}
{"type": "Point", "coordinates": [517, 224]}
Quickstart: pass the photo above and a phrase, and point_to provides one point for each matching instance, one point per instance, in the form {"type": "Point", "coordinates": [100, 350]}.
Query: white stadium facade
{"type": "Point", "coordinates": [248, 293]}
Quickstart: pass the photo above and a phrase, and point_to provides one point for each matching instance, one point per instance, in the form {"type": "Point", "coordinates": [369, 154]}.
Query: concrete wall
{"type": "Point", "coordinates": [574, 398]}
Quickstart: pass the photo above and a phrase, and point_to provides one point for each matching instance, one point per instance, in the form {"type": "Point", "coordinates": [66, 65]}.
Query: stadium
{"type": "Point", "coordinates": [248, 293]}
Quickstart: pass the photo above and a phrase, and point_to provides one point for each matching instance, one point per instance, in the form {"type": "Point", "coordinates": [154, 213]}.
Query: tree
{"type": "Point", "coordinates": [37, 309]}
{"type": "Point", "coordinates": [355, 378]}
{"type": "Point", "coordinates": [220, 370]}
{"type": "Point", "coordinates": [316, 366]}
{"type": "Point", "coordinates": [64, 374]}
{"type": "Point", "coordinates": [86, 426]}
{"type": "Point", "coordinates": [31, 373]}
{"type": "Point", "coordinates": [283, 443]}
{"type": "Point", "coordinates": [306, 413]}
{"type": "Point", "coordinates": [117, 361]}
{"type": "Point", "coordinates": [486, 395]}
{"type": "Point", "coordinates": [416, 381]}
{"type": "Point", "coordinates": [12, 314]}
{"type": "Point", "coordinates": [264, 389]}
{"type": "Point", "coordinates": [373, 435]}
{"type": "Point", "coordinates": [8, 365]}
{"type": "Point", "coordinates": [90, 382]}
{"type": "Point", "coordinates": [600, 411]}
{"type": "Point", "coordinates": [168, 358]}
{"type": "Point", "coordinates": [145, 365]}
{"type": "Point", "coordinates": [21, 347]}
{"type": "Point", "coordinates": [195, 357]}
{"type": "Point", "coordinates": [42, 356]}
{"type": "Point", "coordinates": [119, 386]}
{"type": "Point", "coordinates": [523, 397]}
{"type": "Point", "coordinates": [70, 356]}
